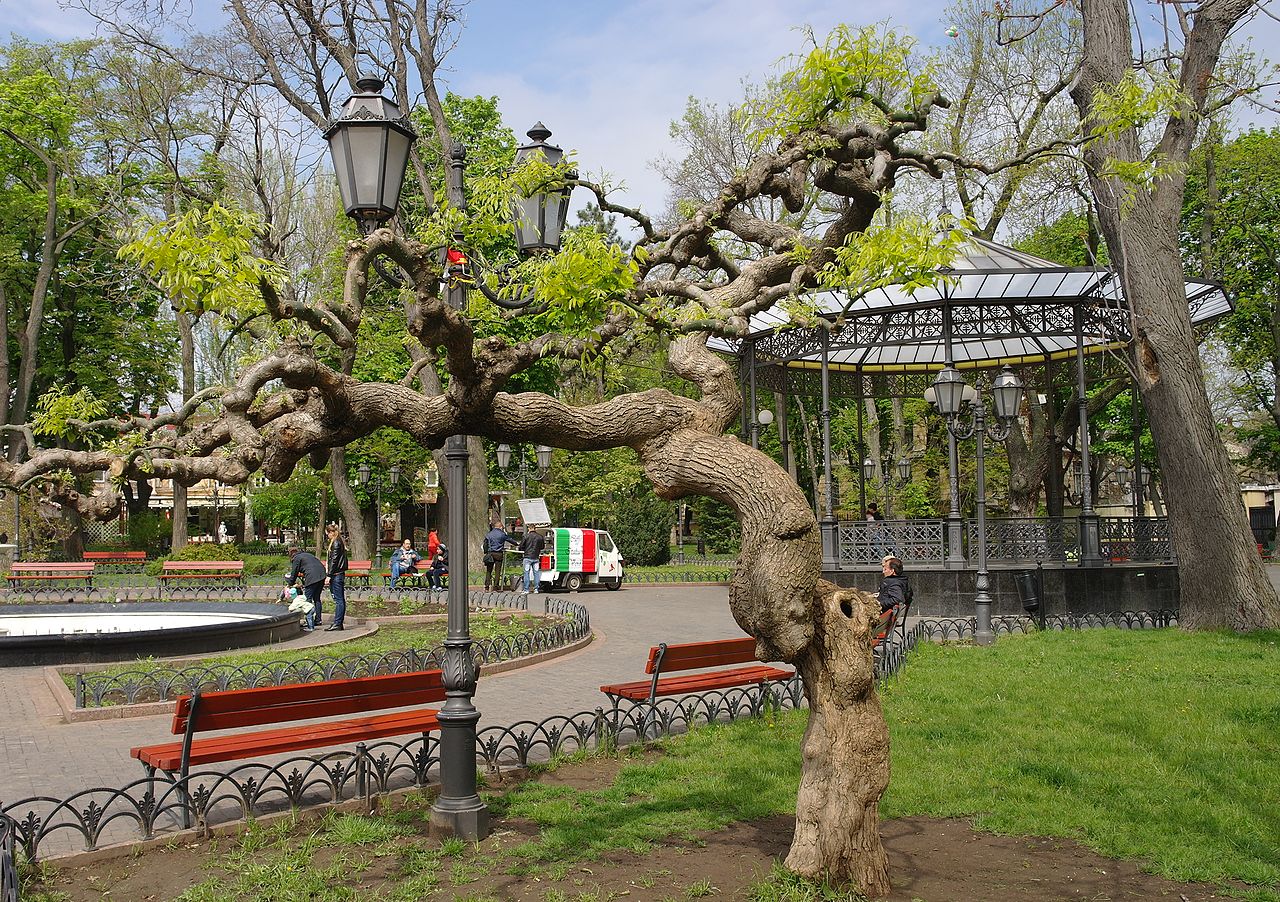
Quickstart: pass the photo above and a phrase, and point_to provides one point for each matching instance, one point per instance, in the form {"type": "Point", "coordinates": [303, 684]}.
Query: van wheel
{"type": "Point", "coordinates": [613, 584]}
{"type": "Point", "coordinates": [574, 582]}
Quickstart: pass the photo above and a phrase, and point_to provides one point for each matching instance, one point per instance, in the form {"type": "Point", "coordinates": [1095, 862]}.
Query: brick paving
{"type": "Point", "coordinates": [40, 755]}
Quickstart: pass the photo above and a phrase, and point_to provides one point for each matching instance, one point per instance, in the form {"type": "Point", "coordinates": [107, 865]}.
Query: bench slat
{"type": "Point", "coordinates": [168, 756]}
{"type": "Point", "coordinates": [697, 655]}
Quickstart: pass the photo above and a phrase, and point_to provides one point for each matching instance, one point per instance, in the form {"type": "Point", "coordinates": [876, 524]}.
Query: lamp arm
{"type": "Point", "coordinates": [492, 296]}
{"type": "Point", "coordinates": [965, 431]}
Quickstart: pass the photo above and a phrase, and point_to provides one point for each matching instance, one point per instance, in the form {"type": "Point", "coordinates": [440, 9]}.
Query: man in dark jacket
{"type": "Point", "coordinates": [894, 588]}
{"type": "Point", "coordinates": [337, 579]}
{"type": "Point", "coordinates": [531, 552]}
{"type": "Point", "coordinates": [495, 549]}
{"type": "Point", "coordinates": [306, 567]}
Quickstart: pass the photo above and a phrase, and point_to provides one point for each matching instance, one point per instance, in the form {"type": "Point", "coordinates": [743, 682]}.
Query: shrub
{"type": "Point", "coordinates": [717, 525]}
{"type": "Point", "coordinates": [149, 531]}
{"type": "Point", "coordinates": [642, 527]}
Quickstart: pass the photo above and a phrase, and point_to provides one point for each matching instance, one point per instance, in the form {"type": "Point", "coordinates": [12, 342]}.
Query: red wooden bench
{"type": "Point", "coordinates": [23, 572]}
{"type": "Point", "coordinates": [202, 571]}
{"type": "Point", "coordinates": [204, 712]}
{"type": "Point", "coordinates": [666, 658]}
{"type": "Point", "coordinates": [116, 557]}
{"type": "Point", "coordinates": [359, 570]}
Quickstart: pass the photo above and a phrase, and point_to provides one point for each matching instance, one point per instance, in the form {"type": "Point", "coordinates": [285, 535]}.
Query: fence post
{"type": "Point", "coordinates": [362, 774]}
{"type": "Point", "coordinates": [79, 690]}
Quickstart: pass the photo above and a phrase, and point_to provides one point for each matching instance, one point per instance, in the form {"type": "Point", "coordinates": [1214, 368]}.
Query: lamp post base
{"type": "Point", "coordinates": [464, 818]}
{"type": "Point", "coordinates": [982, 634]}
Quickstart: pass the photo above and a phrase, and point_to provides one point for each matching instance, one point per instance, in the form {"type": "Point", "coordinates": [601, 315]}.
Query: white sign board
{"type": "Point", "coordinates": [533, 511]}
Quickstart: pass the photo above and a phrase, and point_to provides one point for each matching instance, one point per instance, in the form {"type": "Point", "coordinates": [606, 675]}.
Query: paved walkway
{"type": "Point", "coordinates": [40, 755]}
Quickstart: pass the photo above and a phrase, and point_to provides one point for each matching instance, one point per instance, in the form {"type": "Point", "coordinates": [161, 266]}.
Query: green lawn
{"type": "Point", "coordinates": [1161, 747]}
{"type": "Point", "coordinates": [388, 639]}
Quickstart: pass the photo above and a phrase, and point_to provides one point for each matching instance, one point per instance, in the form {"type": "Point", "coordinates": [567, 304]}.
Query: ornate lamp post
{"type": "Point", "coordinates": [363, 474]}
{"type": "Point", "coordinates": [520, 466]}
{"type": "Point", "coordinates": [370, 144]}
{"type": "Point", "coordinates": [1006, 395]}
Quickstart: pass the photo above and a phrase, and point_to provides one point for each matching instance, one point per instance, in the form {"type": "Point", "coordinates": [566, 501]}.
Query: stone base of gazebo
{"type": "Point", "coordinates": [942, 592]}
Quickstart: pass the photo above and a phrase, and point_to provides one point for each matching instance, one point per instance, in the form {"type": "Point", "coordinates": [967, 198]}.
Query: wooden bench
{"type": "Point", "coordinates": [202, 571]}
{"type": "Point", "coordinates": [666, 658]}
{"type": "Point", "coordinates": [203, 712]}
{"type": "Point", "coordinates": [419, 577]}
{"type": "Point", "coordinates": [24, 572]}
{"type": "Point", "coordinates": [359, 570]}
{"type": "Point", "coordinates": [116, 557]}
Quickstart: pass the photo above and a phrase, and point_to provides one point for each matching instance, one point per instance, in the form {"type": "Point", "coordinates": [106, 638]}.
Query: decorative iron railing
{"type": "Point", "coordinates": [144, 807]}
{"type": "Point", "coordinates": [1009, 540]}
{"type": "Point", "coordinates": [1129, 539]}
{"type": "Point", "coordinates": [8, 866]}
{"type": "Point", "coordinates": [914, 541]}
{"type": "Point", "coordinates": [677, 576]}
{"type": "Point", "coordinates": [102, 689]}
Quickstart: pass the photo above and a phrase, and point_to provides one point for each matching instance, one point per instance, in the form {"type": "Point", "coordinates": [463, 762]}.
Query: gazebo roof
{"type": "Point", "coordinates": [1001, 306]}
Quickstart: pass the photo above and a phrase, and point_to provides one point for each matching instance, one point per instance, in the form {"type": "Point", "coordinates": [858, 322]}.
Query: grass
{"type": "Point", "coordinates": [387, 640]}
{"type": "Point", "coordinates": [1161, 747]}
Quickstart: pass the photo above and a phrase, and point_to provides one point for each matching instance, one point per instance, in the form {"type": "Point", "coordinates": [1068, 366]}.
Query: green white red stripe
{"type": "Point", "coordinates": [575, 550]}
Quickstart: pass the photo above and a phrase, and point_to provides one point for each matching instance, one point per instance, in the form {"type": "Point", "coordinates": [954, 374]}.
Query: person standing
{"type": "Point", "coordinates": [337, 579]}
{"type": "Point", "coordinates": [433, 544]}
{"type": "Point", "coordinates": [531, 551]}
{"type": "Point", "coordinates": [306, 567]}
{"type": "Point", "coordinates": [494, 547]}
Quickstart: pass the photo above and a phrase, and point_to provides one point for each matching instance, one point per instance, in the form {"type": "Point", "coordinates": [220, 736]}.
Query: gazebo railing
{"type": "Point", "coordinates": [1028, 539]}
{"type": "Point", "coordinates": [862, 543]}
{"type": "Point", "coordinates": [915, 541]}
{"type": "Point", "coordinates": [1129, 539]}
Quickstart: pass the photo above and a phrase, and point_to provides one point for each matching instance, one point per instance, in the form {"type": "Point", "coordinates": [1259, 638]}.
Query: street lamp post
{"type": "Point", "coordinates": [520, 466]}
{"type": "Point", "coordinates": [364, 473]}
{"type": "Point", "coordinates": [949, 392]}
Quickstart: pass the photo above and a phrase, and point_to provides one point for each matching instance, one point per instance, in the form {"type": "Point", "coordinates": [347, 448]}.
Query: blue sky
{"type": "Point", "coordinates": [607, 78]}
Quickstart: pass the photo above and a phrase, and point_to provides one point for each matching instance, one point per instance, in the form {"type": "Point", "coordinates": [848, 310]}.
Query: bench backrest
{"type": "Point", "coordinates": [696, 655]}
{"type": "Point", "coordinates": [888, 620]}
{"type": "Point", "coordinates": [203, 565]}
{"type": "Point", "coordinates": [360, 565]}
{"type": "Point", "coordinates": [303, 701]}
{"type": "Point", "coordinates": [115, 555]}
{"type": "Point", "coordinates": [51, 567]}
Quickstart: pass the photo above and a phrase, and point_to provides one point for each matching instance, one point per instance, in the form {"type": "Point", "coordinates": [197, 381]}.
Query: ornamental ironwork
{"type": "Point", "coordinates": [1029, 539]}
{"type": "Point", "coordinates": [1135, 539]}
{"type": "Point", "coordinates": [865, 542]}
{"type": "Point", "coordinates": [8, 865]}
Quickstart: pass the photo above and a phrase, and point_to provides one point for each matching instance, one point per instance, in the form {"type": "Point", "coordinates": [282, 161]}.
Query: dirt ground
{"type": "Point", "coordinates": [931, 860]}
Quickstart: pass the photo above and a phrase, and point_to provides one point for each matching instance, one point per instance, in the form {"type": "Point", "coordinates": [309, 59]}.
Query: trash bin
{"type": "Point", "coordinates": [1028, 590]}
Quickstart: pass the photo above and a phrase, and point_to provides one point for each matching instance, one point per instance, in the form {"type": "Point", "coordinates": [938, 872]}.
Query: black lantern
{"type": "Point", "coordinates": [949, 391]}
{"type": "Point", "coordinates": [1006, 394]}
{"type": "Point", "coordinates": [364, 473]}
{"type": "Point", "coordinates": [504, 456]}
{"type": "Point", "coordinates": [544, 457]}
{"type": "Point", "coordinates": [394, 474]}
{"type": "Point", "coordinates": [868, 469]}
{"type": "Point", "coordinates": [370, 142]}
{"type": "Point", "coordinates": [904, 469]}
{"type": "Point", "coordinates": [540, 217]}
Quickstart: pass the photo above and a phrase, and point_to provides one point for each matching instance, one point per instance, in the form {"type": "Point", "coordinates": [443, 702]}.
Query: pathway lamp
{"type": "Point", "coordinates": [369, 143]}
{"type": "Point", "coordinates": [904, 469]}
{"type": "Point", "coordinates": [520, 466]}
{"type": "Point", "coordinates": [364, 474]}
{"type": "Point", "coordinates": [370, 164]}
{"type": "Point", "coordinates": [1006, 398]}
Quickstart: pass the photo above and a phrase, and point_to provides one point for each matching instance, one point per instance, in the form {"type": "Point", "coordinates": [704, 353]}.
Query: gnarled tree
{"type": "Point", "coordinates": [847, 121]}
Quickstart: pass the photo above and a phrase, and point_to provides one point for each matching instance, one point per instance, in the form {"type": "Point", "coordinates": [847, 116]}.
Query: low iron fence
{"type": "Point", "coordinates": [865, 542]}
{"type": "Point", "coordinates": [145, 808]}
{"type": "Point", "coordinates": [8, 865]}
{"type": "Point", "coordinates": [97, 689]}
{"type": "Point", "coordinates": [677, 576]}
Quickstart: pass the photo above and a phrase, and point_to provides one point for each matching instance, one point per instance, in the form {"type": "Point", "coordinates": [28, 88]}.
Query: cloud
{"type": "Point", "coordinates": [42, 20]}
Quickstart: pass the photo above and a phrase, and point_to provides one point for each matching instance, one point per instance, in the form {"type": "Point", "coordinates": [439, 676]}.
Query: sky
{"type": "Point", "coordinates": [608, 77]}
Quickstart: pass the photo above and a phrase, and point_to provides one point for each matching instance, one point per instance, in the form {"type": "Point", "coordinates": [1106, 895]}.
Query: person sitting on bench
{"type": "Point", "coordinates": [439, 567]}
{"type": "Point", "coordinates": [894, 588]}
{"type": "Point", "coordinates": [403, 560]}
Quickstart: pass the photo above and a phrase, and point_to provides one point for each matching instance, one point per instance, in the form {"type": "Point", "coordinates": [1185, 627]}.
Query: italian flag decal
{"type": "Point", "coordinates": [576, 550]}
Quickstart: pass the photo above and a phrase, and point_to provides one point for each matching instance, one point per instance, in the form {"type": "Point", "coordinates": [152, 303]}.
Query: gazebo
{"type": "Point", "coordinates": [993, 306]}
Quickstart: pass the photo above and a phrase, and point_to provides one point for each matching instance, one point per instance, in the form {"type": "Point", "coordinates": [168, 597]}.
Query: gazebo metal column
{"type": "Point", "coordinates": [830, 537]}
{"type": "Point", "coordinates": [862, 444]}
{"type": "Point", "coordinates": [753, 412]}
{"type": "Point", "coordinates": [1090, 552]}
{"type": "Point", "coordinates": [955, 525]}
{"type": "Point", "coordinates": [1139, 507]}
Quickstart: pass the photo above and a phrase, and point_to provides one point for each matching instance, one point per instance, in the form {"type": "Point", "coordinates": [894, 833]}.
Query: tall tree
{"type": "Point", "coordinates": [1142, 118]}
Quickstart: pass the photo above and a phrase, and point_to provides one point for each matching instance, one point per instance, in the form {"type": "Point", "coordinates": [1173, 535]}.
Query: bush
{"type": "Point", "coordinates": [254, 564]}
{"type": "Point", "coordinates": [642, 528]}
{"type": "Point", "coordinates": [150, 532]}
{"type": "Point", "coordinates": [256, 547]}
{"type": "Point", "coordinates": [717, 525]}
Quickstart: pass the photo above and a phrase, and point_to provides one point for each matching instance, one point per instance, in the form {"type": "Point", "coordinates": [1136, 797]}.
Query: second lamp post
{"type": "Point", "coordinates": [952, 396]}
{"type": "Point", "coordinates": [364, 473]}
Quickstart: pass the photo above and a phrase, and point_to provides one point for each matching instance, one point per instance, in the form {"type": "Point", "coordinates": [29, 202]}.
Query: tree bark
{"type": "Point", "coordinates": [185, 335]}
{"type": "Point", "coordinates": [357, 527]}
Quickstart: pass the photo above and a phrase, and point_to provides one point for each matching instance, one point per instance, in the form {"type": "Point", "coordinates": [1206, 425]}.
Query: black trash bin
{"type": "Point", "coordinates": [1031, 592]}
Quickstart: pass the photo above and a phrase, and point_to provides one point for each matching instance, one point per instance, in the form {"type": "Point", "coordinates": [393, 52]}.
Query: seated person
{"type": "Point", "coordinates": [439, 567]}
{"type": "Point", "coordinates": [894, 588]}
{"type": "Point", "coordinates": [403, 560]}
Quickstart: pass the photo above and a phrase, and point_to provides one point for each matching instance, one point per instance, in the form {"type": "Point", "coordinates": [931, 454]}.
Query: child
{"type": "Point", "coordinates": [298, 603]}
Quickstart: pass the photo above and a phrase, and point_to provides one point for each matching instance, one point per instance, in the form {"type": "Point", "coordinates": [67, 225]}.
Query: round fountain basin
{"type": "Point", "coordinates": [85, 633]}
